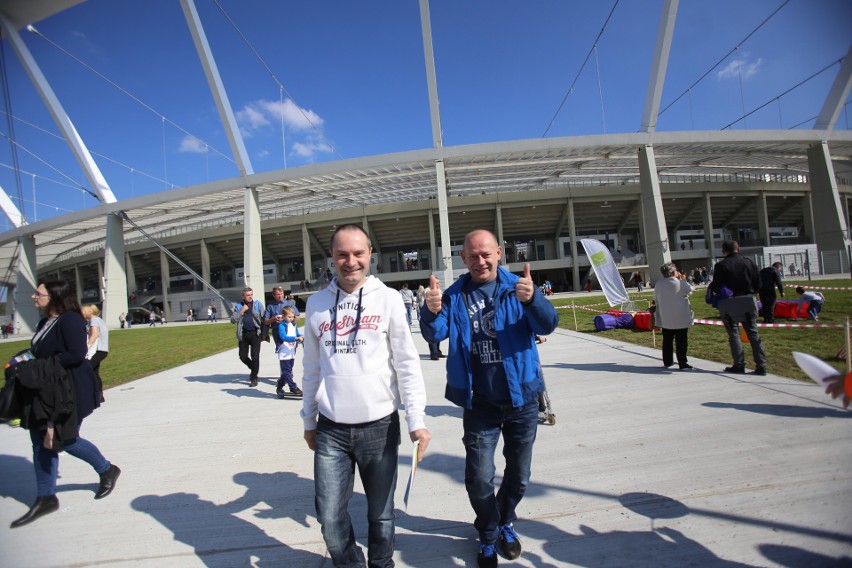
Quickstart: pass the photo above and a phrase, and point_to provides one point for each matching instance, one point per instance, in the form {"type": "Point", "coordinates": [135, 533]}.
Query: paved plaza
{"type": "Point", "coordinates": [644, 467]}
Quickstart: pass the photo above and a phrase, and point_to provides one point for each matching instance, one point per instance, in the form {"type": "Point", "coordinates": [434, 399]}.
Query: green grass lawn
{"type": "Point", "coordinates": [711, 342]}
{"type": "Point", "coordinates": [139, 352]}
{"type": "Point", "coordinates": [136, 353]}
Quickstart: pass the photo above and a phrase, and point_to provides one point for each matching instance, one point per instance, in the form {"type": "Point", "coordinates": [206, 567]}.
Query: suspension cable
{"type": "Point", "coordinates": [724, 57]}
{"type": "Point", "coordinates": [580, 71]}
{"type": "Point", "coordinates": [226, 302]}
{"type": "Point", "coordinates": [778, 97]}
{"type": "Point", "coordinates": [275, 78]}
{"type": "Point", "coordinates": [128, 93]}
{"type": "Point", "coordinates": [74, 183]}
{"type": "Point", "coordinates": [129, 168]}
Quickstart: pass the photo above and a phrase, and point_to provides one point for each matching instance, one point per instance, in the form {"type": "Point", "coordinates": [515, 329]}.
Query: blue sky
{"type": "Point", "coordinates": [355, 70]}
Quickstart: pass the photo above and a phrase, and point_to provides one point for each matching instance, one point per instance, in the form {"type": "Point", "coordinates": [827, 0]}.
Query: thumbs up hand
{"type": "Point", "coordinates": [433, 295]}
{"type": "Point", "coordinates": [525, 288]}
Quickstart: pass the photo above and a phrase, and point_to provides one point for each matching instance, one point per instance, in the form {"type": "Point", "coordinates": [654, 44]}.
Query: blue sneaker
{"type": "Point", "coordinates": [509, 542]}
{"type": "Point", "coordinates": [487, 556]}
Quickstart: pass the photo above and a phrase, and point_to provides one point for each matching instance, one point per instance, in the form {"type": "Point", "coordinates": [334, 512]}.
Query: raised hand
{"type": "Point", "coordinates": [525, 288]}
{"type": "Point", "coordinates": [433, 295]}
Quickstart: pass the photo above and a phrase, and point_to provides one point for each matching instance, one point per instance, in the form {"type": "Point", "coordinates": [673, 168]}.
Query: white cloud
{"type": "Point", "coordinates": [192, 145]}
{"type": "Point", "coordinates": [295, 117]}
{"type": "Point", "coordinates": [740, 67]}
{"type": "Point", "coordinates": [251, 119]}
{"type": "Point", "coordinates": [310, 149]}
{"type": "Point", "coordinates": [303, 127]}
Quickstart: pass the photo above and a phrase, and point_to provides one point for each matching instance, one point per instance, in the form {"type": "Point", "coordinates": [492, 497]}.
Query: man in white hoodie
{"type": "Point", "coordinates": [359, 364]}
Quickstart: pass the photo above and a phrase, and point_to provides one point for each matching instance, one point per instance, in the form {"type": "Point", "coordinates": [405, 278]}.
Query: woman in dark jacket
{"type": "Point", "coordinates": [62, 333]}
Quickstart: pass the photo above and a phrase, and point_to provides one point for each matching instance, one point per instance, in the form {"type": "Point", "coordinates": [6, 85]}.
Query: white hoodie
{"type": "Point", "coordinates": [361, 373]}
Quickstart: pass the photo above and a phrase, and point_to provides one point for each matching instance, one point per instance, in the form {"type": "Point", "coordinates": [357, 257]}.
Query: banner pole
{"type": "Point", "coordinates": [848, 354]}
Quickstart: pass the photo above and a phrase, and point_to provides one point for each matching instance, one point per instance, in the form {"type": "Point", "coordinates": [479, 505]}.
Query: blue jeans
{"type": "Point", "coordinates": [483, 425]}
{"type": "Point", "coordinates": [286, 366]}
{"type": "Point", "coordinates": [46, 462]}
{"type": "Point", "coordinates": [736, 344]}
{"type": "Point", "coordinates": [374, 448]}
{"type": "Point", "coordinates": [814, 308]}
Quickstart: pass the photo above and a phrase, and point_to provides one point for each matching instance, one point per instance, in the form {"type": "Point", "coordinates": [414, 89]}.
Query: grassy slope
{"type": "Point", "coordinates": [711, 342]}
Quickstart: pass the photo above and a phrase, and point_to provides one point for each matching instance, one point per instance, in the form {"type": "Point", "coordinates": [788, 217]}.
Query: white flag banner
{"type": "Point", "coordinates": [606, 271]}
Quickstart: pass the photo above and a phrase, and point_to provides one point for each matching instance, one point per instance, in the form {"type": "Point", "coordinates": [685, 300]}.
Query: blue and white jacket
{"type": "Point", "coordinates": [257, 316]}
{"type": "Point", "coordinates": [516, 325]}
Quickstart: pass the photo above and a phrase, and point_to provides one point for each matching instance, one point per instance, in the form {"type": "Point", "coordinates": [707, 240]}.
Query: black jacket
{"type": "Point", "coordinates": [738, 273]}
{"type": "Point", "coordinates": [47, 393]}
{"type": "Point", "coordinates": [769, 279]}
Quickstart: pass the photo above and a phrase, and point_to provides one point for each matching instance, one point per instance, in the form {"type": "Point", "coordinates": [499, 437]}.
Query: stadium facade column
{"type": "Point", "coordinates": [78, 281]}
{"type": "Point", "coordinates": [164, 278]}
{"type": "Point", "coordinates": [101, 287]}
{"type": "Point", "coordinates": [709, 243]}
{"type": "Point", "coordinates": [374, 242]}
{"type": "Point", "coordinates": [252, 245]}
{"type": "Point", "coordinates": [114, 284]}
{"type": "Point", "coordinates": [808, 216]}
{"type": "Point", "coordinates": [830, 230]}
{"type": "Point", "coordinates": [572, 230]}
{"type": "Point", "coordinates": [763, 219]}
{"type": "Point", "coordinates": [306, 253]}
{"type": "Point", "coordinates": [26, 314]}
{"type": "Point", "coordinates": [130, 273]}
{"type": "Point", "coordinates": [498, 224]}
{"type": "Point", "coordinates": [654, 223]}
{"type": "Point", "coordinates": [205, 262]}
{"type": "Point", "coordinates": [433, 249]}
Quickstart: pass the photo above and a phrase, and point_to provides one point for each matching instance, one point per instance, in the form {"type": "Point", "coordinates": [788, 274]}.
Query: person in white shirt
{"type": "Point", "coordinates": [360, 363]}
{"type": "Point", "coordinates": [673, 314]}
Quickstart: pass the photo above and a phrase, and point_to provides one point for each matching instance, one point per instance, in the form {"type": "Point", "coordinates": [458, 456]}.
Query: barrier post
{"type": "Point", "coordinates": [848, 354]}
{"type": "Point", "coordinates": [574, 311]}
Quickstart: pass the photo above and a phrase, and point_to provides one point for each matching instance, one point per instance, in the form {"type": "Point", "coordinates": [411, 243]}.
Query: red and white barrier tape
{"type": "Point", "coordinates": [719, 322]}
{"type": "Point", "coordinates": [801, 325]}
{"type": "Point", "coordinates": [810, 287]}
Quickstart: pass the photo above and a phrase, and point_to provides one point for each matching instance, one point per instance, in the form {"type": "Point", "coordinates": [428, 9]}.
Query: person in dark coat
{"type": "Point", "coordinates": [770, 278]}
{"type": "Point", "coordinates": [740, 275]}
{"type": "Point", "coordinates": [62, 335]}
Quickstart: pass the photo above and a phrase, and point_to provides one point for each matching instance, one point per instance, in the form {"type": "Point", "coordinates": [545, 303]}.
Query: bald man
{"type": "Point", "coordinates": [491, 318]}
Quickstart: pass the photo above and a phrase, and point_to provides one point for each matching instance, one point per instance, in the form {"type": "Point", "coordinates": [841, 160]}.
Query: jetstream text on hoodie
{"type": "Point", "coordinates": [360, 362]}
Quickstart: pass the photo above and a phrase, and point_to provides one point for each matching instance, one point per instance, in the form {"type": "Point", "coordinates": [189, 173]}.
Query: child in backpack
{"type": "Point", "coordinates": [290, 339]}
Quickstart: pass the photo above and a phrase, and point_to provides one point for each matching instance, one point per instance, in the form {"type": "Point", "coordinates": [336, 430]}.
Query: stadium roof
{"type": "Point", "coordinates": [589, 168]}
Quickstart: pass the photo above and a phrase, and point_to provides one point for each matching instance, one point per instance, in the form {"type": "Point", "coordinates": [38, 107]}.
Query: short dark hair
{"type": "Point", "coordinates": [730, 246]}
{"type": "Point", "coordinates": [800, 290]}
{"type": "Point", "coordinates": [349, 227]}
{"type": "Point", "coordinates": [63, 298]}
{"type": "Point", "coordinates": [777, 265]}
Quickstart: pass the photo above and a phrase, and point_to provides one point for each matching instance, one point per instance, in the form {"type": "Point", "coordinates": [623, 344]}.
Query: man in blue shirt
{"type": "Point", "coordinates": [491, 318]}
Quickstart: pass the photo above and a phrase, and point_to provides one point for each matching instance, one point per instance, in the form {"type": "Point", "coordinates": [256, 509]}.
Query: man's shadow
{"type": "Point", "coordinates": [220, 538]}
{"type": "Point", "coordinates": [240, 385]}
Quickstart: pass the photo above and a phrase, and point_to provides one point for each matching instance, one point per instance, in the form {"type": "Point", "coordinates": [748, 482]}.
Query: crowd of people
{"type": "Point", "coordinates": [360, 365]}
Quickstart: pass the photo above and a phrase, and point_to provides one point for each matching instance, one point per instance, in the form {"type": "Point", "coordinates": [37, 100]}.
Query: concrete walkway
{"type": "Point", "coordinates": [644, 467]}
